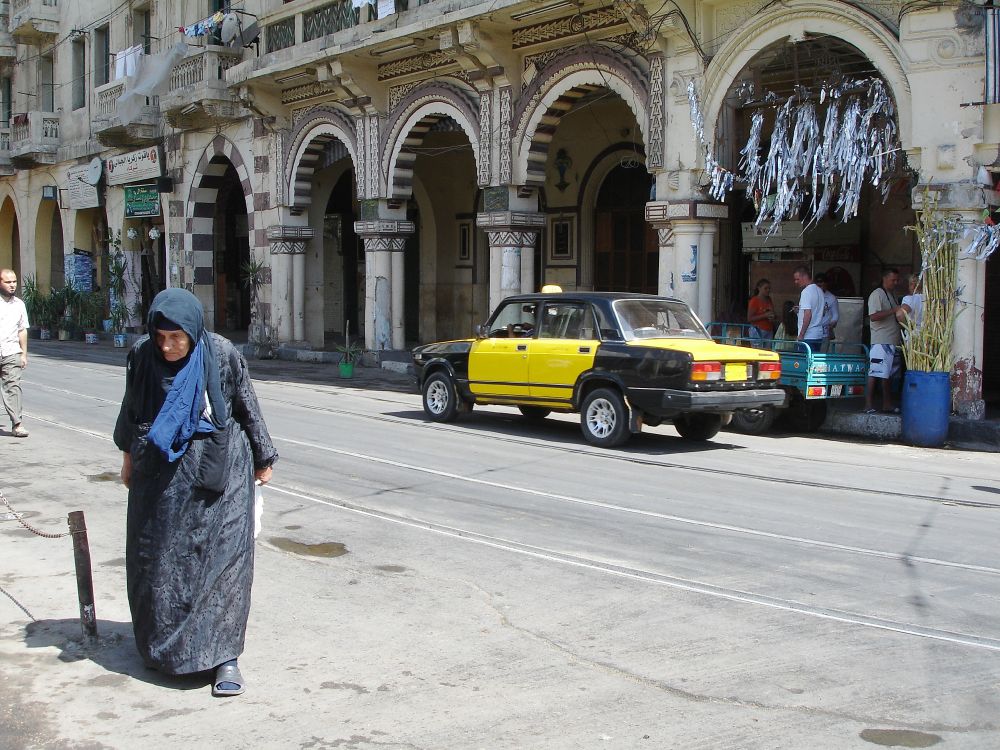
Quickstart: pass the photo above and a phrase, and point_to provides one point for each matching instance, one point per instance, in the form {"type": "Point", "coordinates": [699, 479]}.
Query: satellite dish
{"type": "Point", "coordinates": [94, 171]}
{"type": "Point", "coordinates": [230, 28]}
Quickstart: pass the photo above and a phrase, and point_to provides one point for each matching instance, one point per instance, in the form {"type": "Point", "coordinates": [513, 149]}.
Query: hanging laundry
{"type": "Point", "coordinates": [126, 61]}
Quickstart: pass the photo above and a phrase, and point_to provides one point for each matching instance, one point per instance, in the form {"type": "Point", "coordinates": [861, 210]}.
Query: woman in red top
{"type": "Point", "coordinates": [760, 310]}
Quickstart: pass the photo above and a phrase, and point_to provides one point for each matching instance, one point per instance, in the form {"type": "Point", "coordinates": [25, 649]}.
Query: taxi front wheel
{"type": "Point", "coordinates": [604, 418]}
{"type": "Point", "coordinates": [440, 399]}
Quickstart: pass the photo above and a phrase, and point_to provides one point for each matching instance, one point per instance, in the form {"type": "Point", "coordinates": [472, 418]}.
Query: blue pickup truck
{"type": "Point", "coordinates": [809, 378]}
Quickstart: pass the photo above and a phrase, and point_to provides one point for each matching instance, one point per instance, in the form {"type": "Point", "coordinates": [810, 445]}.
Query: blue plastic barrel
{"type": "Point", "coordinates": [926, 406]}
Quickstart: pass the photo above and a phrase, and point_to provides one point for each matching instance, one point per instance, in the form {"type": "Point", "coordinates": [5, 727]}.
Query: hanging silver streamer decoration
{"type": "Point", "coordinates": [985, 241]}
{"type": "Point", "coordinates": [858, 142]}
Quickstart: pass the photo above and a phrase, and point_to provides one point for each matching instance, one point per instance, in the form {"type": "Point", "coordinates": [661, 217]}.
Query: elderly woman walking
{"type": "Point", "coordinates": [193, 442]}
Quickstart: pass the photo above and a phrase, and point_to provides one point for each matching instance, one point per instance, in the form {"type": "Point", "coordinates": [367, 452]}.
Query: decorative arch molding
{"type": "Point", "coordinates": [308, 142]}
{"type": "Point", "coordinates": [795, 20]}
{"type": "Point", "coordinates": [416, 114]}
{"type": "Point", "coordinates": [566, 79]}
{"type": "Point", "coordinates": [200, 212]}
{"type": "Point", "coordinates": [9, 218]}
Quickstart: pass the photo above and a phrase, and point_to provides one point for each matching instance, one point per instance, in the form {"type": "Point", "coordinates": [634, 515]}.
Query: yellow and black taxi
{"type": "Point", "coordinates": [620, 360]}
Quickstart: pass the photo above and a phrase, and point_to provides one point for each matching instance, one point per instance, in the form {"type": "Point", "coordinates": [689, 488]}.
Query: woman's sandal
{"type": "Point", "coordinates": [228, 681]}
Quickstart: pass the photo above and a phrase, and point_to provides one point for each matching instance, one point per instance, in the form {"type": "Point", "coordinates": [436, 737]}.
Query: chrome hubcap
{"type": "Point", "coordinates": [601, 418]}
{"type": "Point", "coordinates": [437, 397]}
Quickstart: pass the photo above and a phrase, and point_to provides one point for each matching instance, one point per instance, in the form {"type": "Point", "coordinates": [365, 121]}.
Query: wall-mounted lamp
{"type": "Point", "coordinates": [132, 233]}
{"type": "Point", "coordinates": [50, 192]}
{"type": "Point", "coordinates": [154, 234]}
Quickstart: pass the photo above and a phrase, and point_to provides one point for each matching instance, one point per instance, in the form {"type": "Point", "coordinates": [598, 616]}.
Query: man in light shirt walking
{"type": "Point", "coordinates": [13, 349]}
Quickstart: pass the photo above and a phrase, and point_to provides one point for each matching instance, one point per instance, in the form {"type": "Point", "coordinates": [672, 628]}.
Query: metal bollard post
{"type": "Point", "coordinates": [84, 578]}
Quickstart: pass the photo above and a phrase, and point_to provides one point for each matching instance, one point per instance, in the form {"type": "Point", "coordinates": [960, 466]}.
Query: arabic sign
{"type": "Point", "coordinates": [141, 200]}
{"type": "Point", "coordinates": [144, 164]}
{"type": "Point", "coordinates": [81, 194]}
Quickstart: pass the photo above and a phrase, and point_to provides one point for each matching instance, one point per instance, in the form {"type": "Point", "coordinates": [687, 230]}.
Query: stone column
{"type": "Point", "coordinates": [687, 232]}
{"type": "Point", "coordinates": [512, 236]}
{"type": "Point", "coordinates": [967, 344]}
{"type": "Point", "coordinates": [288, 246]}
{"type": "Point", "coordinates": [384, 241]}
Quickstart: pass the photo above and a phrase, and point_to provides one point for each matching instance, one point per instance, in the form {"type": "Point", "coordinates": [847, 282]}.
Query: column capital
{"type": "Point", "coordinates": [288, 239]}
{"type": "Point", "coordinates": [374, 228]}
{"type": "Point", "coordinates": [951, 196]}
{"type": "Point", "coordinates": [511, 221]}
{"type": "Point", "coordinates": [662, 212]}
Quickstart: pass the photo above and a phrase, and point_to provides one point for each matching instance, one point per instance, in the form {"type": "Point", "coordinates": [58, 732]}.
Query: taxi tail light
{"type": "Point", "coordinates": [706, 371]}
{"type": "Point", "coordinates": [816, 390]}
{"type": "Point", "coordinates": [856, 390]}
{"type": "Point", "coordinates": [769, 371]}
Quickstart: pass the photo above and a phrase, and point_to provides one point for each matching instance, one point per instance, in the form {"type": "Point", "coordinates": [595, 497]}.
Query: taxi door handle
{"type": "Point", "coordinates": [522, 347]}
{"type": "Point", "coordinates": [584, 350]}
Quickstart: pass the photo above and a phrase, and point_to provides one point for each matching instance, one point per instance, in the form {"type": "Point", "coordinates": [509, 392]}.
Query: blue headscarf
{"type": "Point", "coordinates": [181, 413]}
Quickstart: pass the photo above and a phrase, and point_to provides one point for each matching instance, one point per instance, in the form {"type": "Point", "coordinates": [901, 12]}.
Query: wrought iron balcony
{"type": "Point", "coordinates": [34, 139]}
{"type": "Point", "coordinates": [6, 166]}
{"type": "Point", "coordinates": [34, 21]}
{"type": "Point", "coordinates": [108, 126]}
{"type": "Point", "coordinates": [8, 47]}
{"type": "Point", "coordinates": [198, 94]}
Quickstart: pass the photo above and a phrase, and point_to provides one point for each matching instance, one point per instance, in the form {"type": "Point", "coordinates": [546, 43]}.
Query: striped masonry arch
{"type": "Point", "coordinates": [200, 213]}
{"type": "Point", "coordinates": [538, 154]}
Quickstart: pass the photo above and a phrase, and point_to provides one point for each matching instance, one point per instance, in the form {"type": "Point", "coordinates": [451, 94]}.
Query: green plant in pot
{"type": "Point", "coordinates": [64, 303]}
{"type": "Point", "coordinates": [927, 347]}
{"type": "Point", "coordinates": [261, 334]}
{"type": "Point", "coordinates": [34, 301]}
{"type": "Point", "coordinates": [118, 308]}
{"type": "Point", "coordinates": [90, 308]}
{"type": "Point", "coordinates": [351, 353]}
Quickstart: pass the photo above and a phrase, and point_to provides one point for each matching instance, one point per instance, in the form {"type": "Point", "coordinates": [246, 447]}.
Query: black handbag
{"type": "Point", "coordinates": [213, 468]}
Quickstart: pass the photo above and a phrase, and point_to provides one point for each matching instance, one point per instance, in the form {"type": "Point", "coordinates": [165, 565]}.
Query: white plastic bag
{"type": "Point", "coordinates": [258, 509]}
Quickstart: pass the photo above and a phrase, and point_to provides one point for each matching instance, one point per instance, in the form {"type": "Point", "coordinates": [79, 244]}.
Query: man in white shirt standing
{"type": "Point", "coordinates": [13, 349]}
{"type": "Point", "coordinates": [886, 337]}
{"type": "Point", "coordinates": [832, 316]}
{"type": "Point", "coordinates": [811, 307]}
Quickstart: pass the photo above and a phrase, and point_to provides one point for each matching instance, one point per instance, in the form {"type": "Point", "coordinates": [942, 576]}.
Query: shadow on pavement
{"type": "Point", "coordinates": [113, 649]}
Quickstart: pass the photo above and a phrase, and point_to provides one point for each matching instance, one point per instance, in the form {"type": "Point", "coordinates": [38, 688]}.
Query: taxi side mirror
{"type": "Point", "coordinates": [482, 331]}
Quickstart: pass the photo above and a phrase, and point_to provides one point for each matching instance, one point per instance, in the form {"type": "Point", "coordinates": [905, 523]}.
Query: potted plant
{"type": "Point", "coordinates": [64, 311]}
{"type": "Point", "coordinates": [351, 352]}
{"type": "Point", "coordinates": [261, 334]}
{"type": "Point", "coordinates": [119, 310]}
{"type": "Point", "coordinates": [90, 306]}
{"type": "Point", "coordinates": [927, 348]}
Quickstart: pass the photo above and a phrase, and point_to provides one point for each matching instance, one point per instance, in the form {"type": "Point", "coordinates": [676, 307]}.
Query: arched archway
{"type": "Point", "coordinates": [49, 254]}
{"type": "Point", "coordinates": [220, 229]}
{"type": "Point", "coordinates": [423, 110]}
{"type": "Point", "coordinates": [322, 132]}
{"type": "Point", "coordinates": [10, 241]}
{"type": "Point", "coordinates": [565, 81]}
{"type": "Point", "coordinates": [855, 247]}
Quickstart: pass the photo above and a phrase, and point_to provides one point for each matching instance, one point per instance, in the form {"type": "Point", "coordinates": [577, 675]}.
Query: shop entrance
{"type": "Point", "coordinates": [343, 263]}
{"type": "Point", "coordinates": [626, 253]}
{"type": "Point", "coordinates": [231, 243]}
{"type": "Point", "coordinates": [852, 252]}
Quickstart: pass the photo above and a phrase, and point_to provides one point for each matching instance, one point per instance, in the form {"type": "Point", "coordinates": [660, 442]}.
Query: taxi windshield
{"type": "Point", "coordinates": [657, 318]}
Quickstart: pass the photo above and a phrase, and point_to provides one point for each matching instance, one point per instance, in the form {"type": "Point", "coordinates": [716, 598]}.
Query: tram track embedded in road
{"type": "Point", "coordinates": [639, 574]}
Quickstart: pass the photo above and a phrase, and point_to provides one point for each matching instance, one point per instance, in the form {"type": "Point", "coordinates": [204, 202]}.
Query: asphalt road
{"type": "Point", "coordinates": [496, 583]}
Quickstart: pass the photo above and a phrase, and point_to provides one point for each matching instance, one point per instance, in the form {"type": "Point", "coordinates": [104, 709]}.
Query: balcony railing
{"type": "Point", "coordinates": [34, 138]}
{"type": "Point", "coordinates": [6, 166]}
{"type": "Point", "coordinates": [31, 20]}
{"type": "Point", "coordinates": [108, 126]}
{"type": "Point", "coordinates": [198, 94]}
{"type": "Point", "coordinates": [328, 19]}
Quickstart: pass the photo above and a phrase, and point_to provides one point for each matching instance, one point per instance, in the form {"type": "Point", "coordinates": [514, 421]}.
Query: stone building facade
{"type": "Point", "coordinates": [398, 168]}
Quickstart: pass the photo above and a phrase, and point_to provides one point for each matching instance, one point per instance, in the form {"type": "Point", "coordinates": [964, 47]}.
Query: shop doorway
{"type": "Point", "coordinates": [626, 252]}
{"type": "Point", "coordinates": [231, 245]}
{"type": "Point", "coordinates": [343, 263]}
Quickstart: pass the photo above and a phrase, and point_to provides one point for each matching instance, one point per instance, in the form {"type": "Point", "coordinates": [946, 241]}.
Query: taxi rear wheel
{"type": "Point", "coordinates": [440, 399]}
{"type": "Point", "coordinates": [534, 412]}
{"type": "Point", "coordinates": [698, 426]}
{"type": "Point", "coordinates": [604, 418]}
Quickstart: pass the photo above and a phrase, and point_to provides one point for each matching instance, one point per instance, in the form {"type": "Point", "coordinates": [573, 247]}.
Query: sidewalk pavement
{"type": "Point", "coordinates": [392, 371]}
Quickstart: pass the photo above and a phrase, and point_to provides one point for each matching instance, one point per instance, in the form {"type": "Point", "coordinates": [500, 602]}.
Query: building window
{"type": "Point", "coordinates": [7, 105]}
{"type": "Point", "coordinates": [142, 30]}
{"type": "Point", "coordinates": [102, 56]}
{"type": "Point", "coordinates": [79, 74]}
{"type": "Point", "coordinates": [46, 91]}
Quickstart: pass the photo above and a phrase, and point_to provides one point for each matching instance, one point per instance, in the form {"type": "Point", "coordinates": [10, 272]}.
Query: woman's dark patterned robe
{"type": "Point", "coordinates": [189, 552]}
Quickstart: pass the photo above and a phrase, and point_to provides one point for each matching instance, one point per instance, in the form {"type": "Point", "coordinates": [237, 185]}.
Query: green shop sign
{"type": "Point", "coordinates": [141, 200]}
